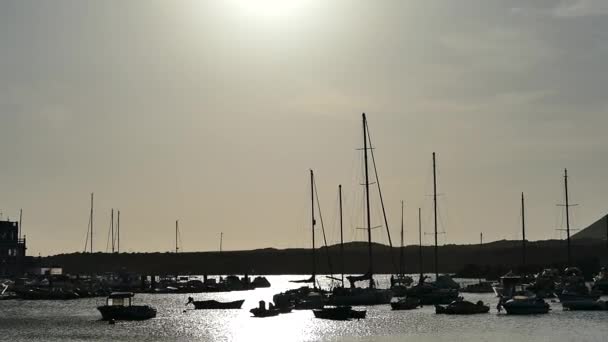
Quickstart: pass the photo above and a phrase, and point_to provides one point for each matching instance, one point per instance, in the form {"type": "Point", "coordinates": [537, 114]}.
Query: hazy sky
{"type": "Point", "coordinates": [213, 111]}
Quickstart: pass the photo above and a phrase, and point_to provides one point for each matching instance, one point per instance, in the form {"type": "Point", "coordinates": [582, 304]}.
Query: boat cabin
{"type": "Point", "coordinates": [119, 299]}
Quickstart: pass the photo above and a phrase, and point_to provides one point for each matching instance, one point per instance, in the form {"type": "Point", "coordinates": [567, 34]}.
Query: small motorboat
{"type": "Point", "coordinates": [261, 310]}
{"type": "Point", "coordinates": [524, 305]}
{"type": "Point", "coordinates": [407, 303]}
{"type": "Point", "coordinates": [585, 305]}
{"type": "Point", "coordinates": [462, 307]}
{"type": "Point", "coordinates": [214, 304]}
{"type": "Point", "coordinates": [116, 310]}
{"type": "Point", "coordinates": [339, 313]}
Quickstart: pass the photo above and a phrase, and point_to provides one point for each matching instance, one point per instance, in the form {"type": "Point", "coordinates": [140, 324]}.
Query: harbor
{"type": "Point", "coordinates": [70, 320]}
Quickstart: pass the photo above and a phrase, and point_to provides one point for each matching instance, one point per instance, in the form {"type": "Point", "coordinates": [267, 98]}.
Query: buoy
{"type": "Point", "coordinates": [184, 311]}
{"type": "Point", "coordinates": [112, 321]}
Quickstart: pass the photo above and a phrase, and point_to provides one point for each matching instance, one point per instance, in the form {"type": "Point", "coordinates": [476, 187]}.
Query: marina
{"type": "Point", "coordinates": [79, 320]}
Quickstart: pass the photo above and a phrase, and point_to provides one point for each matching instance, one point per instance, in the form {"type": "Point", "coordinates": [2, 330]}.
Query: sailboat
{"type": "Point", "coordinates": [443, 290]}
{"type": "Point", "coordinates": [340, 312]}
{"type": "Point", "coordinates": [400, 283]}
{"type": "Point", "coordinates": [305, 298]}
{"type": "Point", "coordinates": [356, 295]}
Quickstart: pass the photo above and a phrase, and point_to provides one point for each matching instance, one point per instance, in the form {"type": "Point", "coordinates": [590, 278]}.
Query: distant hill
{"type": "Point", "coordinates": [596, 231]}
{"type": "Point", "coordinates": [500, 255]}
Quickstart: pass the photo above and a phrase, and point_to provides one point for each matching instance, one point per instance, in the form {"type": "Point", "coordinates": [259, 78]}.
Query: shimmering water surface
{"type": "Point", "coordinates": [79, 320]}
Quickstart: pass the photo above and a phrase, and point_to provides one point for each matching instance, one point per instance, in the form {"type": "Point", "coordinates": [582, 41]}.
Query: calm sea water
{"type": "Point", "coordinates": [79, 320]}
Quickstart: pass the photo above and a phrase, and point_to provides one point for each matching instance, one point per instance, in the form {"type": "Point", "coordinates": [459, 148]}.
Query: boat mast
{"type": "Point", "coordinates": [20, 223]}
{"type": "Point", "coordinates": [480, 247]}
{"type": "Point", "coordinates": [313, 222]}
{"type": "Point", "coordinates": [420, 241]}
{"type": "Point", "coordinates": [118, 232]}
{"type": "Point", "coordinates": [523, 231]}
{"type": "Point", "coordinates": [567, 215]}
{"type": "Point", "coordinates": [369, 222]}
{"type": "Point", "coordinates": [435, 215]}
{"type": "Point", "coordinates": [91, 220]}
{"type": "Point", "coordinates": [112, 228]}
{"type": "Point", "coordinates": [401, 266]}
{"type": "Point", "coordinates": [341, 232]}
{"type": "Point", "coordinates": [221, 240]}
{"type": "Point", "coordinates": [176, 232]}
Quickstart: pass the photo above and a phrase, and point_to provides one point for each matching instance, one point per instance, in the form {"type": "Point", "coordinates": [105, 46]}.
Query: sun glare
{"type": "Point", "coordinates": [271, 8]}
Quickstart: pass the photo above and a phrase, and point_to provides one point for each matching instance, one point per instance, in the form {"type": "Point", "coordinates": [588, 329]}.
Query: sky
{"type": "Point", "coordinates": [213, 112]}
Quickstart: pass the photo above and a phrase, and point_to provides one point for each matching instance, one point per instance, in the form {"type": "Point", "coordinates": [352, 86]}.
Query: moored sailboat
{"type": "Point", "coordinates": [358, 295]}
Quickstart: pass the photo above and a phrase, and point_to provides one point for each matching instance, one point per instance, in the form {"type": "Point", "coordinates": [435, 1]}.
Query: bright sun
{"type": "Point", "coordinates": [271, 8]}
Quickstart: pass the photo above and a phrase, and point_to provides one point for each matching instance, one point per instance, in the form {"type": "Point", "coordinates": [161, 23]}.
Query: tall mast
{"type": "Point", "coordinates": [341, 232]}
{"type": "Point", "coordinates": [313, 222]}
{"type": "Point", "coordinates": [435, 216]}
{"type": "Point", "coordinates": [567, 214]}
{"type": "Point", "coordinates": [176, 232]}
{"type": "Point", "coordinates": [523, 231]}
{"type": "Point", "coordinates": [480, 247]}
{"type": "Point", "coordinates": [91, 220]}
{"type": "Point", "coordinates": [221, 240]}
{"type": "Point", "coordinates": [401, 266]}
{"type": "Point", "coordinates": [420, 241]}
{"type": "Point", "coordinates": [369, 221]}
{"type": "Point", "coordinates": [112, 228]}
{"type": "Point", "coordinates": [20, 223]}
{"type": "Point", "coordinates": [118, 232]}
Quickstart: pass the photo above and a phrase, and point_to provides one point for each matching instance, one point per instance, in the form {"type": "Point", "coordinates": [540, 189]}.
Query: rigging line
{"type": "Point", "coordinates": [388, 232]}
{"type": "Point", "coordinates": [323, 228]}
{"type": "Point", "coordinates": [108, 240]}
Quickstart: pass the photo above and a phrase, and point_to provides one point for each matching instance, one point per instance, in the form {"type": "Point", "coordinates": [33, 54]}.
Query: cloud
{"type": "Point", "coordinates": [581, 8]}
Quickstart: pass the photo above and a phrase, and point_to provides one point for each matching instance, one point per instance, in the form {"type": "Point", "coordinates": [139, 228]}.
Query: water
{"type": "Point", "coordinates": [79, 320]}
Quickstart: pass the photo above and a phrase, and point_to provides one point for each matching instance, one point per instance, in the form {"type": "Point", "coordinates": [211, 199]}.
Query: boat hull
{"type": "Point", "coordinates": [215, 305]}
{"type": "Point", "coordinates": [257, 312]}
{"type": "Point", "coordinates": [585, 305]}
{"type": "Point", "coordinates": [340, 313]}
{"type": "Point", "coordinates": [521, 309]}
{"type": "Point", "coordinates": [126, 313]}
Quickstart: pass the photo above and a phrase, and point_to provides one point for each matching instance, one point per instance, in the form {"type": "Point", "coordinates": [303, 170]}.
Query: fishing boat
{"type": "Point", "coordinates": [462, 307]}
{"type": "Point", "coordinates": [262, 312]}
{"type": "Point", "coordinates": [524, 305]}
{"type": "Point", "coordinates": [371, 295]}
{"type": "Point", "coordinates": [574, 288]}
{"type": "Point", "coordinates": [117, 309]}
{"type": "Point", "coordinates": [214, 304]}
{"type": "Point", "coordinates": [406, 303]}
{"type": "Point", "coordinates": [339, 313]}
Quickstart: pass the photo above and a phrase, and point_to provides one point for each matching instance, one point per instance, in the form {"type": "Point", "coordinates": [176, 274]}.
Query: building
{"type": "Point", "coordinates": [12, 250]}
